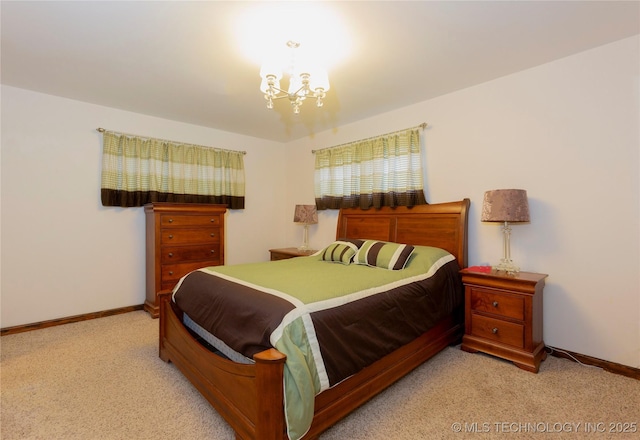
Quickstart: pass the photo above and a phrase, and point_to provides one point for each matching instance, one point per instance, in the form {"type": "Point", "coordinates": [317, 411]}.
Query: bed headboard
{"type": "Point", "coordinates": [442, 225]}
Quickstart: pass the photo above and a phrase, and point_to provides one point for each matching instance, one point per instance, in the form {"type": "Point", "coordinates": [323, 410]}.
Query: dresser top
{"type": "Point", "coordinates": [184, 207]}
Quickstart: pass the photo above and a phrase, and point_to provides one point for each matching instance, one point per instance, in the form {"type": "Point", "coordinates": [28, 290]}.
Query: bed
{"type": "Point", "coordinates": [251, 396]}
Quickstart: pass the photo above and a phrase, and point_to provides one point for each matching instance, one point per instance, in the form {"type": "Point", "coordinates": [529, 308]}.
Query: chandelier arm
{"type": "Point", "coordinates": [276, 97]}
{"type": "Point", "coordinates": [279, 93]}
{"type": "Point", "coordinates": [302, 88]}
{"type": "Point", "coordinates": [279, 90]}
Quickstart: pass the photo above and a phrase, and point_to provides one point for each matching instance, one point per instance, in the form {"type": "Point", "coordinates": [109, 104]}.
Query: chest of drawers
{"type": "Point", "coordinates": [503, 316]}
{"type": "Point", "coordinates": [180, 238]}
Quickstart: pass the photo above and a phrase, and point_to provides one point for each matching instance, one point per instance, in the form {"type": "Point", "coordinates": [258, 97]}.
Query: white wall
{"type": "Point", "coordinates": [64, 254]}
{"type": "Point", "coordinates": [568, 133]}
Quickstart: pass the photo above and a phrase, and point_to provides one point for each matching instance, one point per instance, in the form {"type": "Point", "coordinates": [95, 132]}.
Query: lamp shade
{"type": "Point", "coordinates": [505, 205]}
{"type": "Point", "coordinates": [305, 214]}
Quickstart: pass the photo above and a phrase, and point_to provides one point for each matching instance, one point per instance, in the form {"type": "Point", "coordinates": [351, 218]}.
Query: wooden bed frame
{"type": "Point", "coordinates": [250, 397]}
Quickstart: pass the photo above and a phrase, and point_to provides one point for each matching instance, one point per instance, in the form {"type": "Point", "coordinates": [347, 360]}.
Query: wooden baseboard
{"type": "Point", "coordinates": [60, 321]}
{"type": "Point", "coordinates": [611, 367]}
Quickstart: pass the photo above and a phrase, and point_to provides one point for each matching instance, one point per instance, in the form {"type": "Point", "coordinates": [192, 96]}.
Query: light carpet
{"type": "Point", "coordinates": [102, 379]}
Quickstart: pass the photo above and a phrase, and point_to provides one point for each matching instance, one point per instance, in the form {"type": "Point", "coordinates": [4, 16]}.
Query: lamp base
{"type": "Point", "coordinates": [506, 263]}
{"type": "Point", "coordinates": [305, 239]}
{"type": "Point", "coordinates": [506, 266]}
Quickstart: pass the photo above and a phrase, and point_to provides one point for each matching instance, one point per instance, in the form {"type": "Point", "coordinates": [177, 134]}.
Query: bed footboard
{"type": "Point", "coordinates": [249, 397]}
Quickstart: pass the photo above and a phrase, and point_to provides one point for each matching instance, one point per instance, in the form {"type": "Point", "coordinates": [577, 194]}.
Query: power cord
{"type": "Point", "coordinates": [552, 349]}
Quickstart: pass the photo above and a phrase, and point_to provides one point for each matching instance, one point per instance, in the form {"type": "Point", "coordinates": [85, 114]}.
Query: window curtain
{"type": "Point", "coordinates": [136, 171]}
{"type": "Point", "coordinates": [375, 172]}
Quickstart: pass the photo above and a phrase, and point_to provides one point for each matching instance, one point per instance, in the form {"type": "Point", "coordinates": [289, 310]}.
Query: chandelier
{"type": "Point", "coordinates": [305, 81]}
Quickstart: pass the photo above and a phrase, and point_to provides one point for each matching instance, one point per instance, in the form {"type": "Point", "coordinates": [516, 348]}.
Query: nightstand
{"type": "Point", "coordinates": [284, 253]}
{"type": "Point", "coordinates": [503, 316]}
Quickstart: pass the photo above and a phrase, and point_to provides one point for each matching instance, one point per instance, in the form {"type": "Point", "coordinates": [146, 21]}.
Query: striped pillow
{"type": "Point", "coordinates": [383, 254]}
{"type": "Point", "coordinates": [341, 251]}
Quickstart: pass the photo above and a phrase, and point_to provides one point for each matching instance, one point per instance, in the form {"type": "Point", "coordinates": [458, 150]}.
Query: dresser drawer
{"type": "Point", "coordinates": [511, 306]}
{"type": "Point", "coordinates": [190, 235]}
{"type": "Point", "coordinates": [496, 330]}
{"type": "Point", "coordinates": [168, 285]}
{"type": "Point", "coordinates": [177, 271]}
{"type": "Point", "coordinates": [173, 220]}
{"type": "Point", "coordinates": [182, 254]}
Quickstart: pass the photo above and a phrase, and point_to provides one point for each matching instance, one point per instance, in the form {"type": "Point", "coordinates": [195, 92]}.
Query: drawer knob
{"type": "Point", "coordinates": [495, 304]}
{"type": "Point", "coordinates": [213, 220]}
{"type": "Point", "coordinates": [170, 220]}
{"type": "Point", "coordinates": [170, 254]}
{"type": "Point", "coordinates": [494, 330]}
{"type": "Point", "coordinates": [170, 236]}
{"type": "Point", "coordinates": [171, 273]}
{"type": "Point", "coordinates": [213, 251]}
{"type": "Point", "coordinates": [213, 235]}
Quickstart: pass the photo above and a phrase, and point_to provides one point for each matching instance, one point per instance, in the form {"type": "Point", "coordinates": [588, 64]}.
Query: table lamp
{"type": "Point", "coordinates": [506, 206]}
{"type": "Point", "coordinates": [306, 215]}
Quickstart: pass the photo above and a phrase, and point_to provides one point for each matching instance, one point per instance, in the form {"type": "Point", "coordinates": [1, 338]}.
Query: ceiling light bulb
{"type": "Point", "coordinates": [319, 80]}
{"type": "Point", "coordinates": [271, 68]}
{"type": "Point", "coordinates": [295, 85]}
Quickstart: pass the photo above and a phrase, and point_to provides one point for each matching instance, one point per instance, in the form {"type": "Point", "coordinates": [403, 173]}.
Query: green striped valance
{"type": "Point", "coordinates": [380, 171]}
{"type": "Point", "coordinates": [136, 171]}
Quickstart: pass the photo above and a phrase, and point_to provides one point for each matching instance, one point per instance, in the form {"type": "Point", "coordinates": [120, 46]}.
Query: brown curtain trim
{"type": "Point", "coordinates": [376, 200]}
{"type": "Point", "coordinates": [126, 199]}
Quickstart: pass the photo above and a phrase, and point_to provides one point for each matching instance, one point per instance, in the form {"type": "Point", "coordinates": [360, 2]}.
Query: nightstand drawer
{"type": "Point", "coordinates": [487, 301]}
{"type": "Point", "coordinates": [496, 330]}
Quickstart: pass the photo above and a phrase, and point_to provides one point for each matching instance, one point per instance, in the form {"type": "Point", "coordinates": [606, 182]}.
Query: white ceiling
{"type": "Point", "coordinates": [182, 61]}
